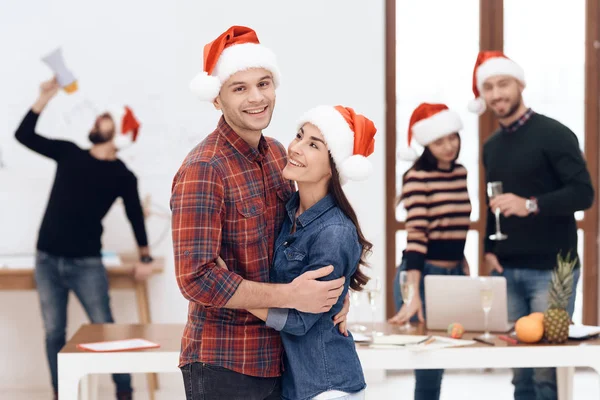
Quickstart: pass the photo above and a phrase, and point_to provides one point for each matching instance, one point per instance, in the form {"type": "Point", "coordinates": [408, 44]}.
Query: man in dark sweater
{"type": "Point", "coordinates": [545, 181]}
{"type": "Point", "coordinates": [86, 184]}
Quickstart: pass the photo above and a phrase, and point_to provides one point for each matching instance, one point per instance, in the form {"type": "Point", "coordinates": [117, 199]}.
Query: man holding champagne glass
{"type": "Point", "coordinates": [537, 179]}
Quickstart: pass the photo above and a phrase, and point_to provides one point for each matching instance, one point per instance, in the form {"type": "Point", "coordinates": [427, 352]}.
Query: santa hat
{"type": "Point", "coordinates": [237, 49]}
{"type": "Point", "coordinates": [428, 123]}
{"type": "Point", "coordinates": [127, 127]}
{"type": "Point", "coordinates": [349, 137]}
{"type": "Point", "coordinates": [488, 64]}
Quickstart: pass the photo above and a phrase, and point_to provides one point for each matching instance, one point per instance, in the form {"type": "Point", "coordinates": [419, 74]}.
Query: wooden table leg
{"type": "Point", "coordinates": [141, 294]}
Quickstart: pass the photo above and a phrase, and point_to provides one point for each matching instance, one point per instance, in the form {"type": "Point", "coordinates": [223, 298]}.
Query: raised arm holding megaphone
{"type": "Point", "coordinates": [64, 76]}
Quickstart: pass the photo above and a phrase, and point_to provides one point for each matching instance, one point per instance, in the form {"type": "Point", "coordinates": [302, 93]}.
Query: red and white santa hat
{"type": "Point", "coordinates": [491, 63]}
{"type": "Point", "coordinates": [236, 49]}
{"type": "Point", "coordinates": [127, 127]}
{"type": "Point", "coordinates": [349, 136]}
{"type": "Point", "coordinates": [428, 123]}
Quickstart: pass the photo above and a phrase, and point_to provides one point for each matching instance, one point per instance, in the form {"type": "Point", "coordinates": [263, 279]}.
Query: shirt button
{"type": "Point", "coordinates": [285, 243]}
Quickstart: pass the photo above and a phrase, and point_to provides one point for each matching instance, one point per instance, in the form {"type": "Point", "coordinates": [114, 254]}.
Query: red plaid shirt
{"type": "Point", "coordinates": [228, 199]}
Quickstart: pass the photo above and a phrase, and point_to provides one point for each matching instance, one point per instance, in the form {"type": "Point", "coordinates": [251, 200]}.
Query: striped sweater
{"type": "Point", "coordinates": [438, 215]}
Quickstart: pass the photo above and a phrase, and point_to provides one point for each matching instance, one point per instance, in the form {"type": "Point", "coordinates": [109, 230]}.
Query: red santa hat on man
{"type": "Point", "coordinates": [236, 49]}
{"type": "Point", "coordinates": [349, 136]}
{"type": "Point", "coordinates": [488, 64]}
{"type": "Point", "coordinates": [127, 127]}
{"type": "Point", "coordinates": [428, 123]}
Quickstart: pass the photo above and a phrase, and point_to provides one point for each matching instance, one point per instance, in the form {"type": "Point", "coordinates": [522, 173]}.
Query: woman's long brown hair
{"type": "Point", "coordinates": [359, 279]}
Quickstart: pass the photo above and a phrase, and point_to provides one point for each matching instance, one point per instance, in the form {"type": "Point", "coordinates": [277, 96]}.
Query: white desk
{"type": "Point", "coordinates": [73, 364]}
{"type": "Point", "coordinates": [17, 273]}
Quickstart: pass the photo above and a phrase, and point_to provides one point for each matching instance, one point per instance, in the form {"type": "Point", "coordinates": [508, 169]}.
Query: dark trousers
{"type": "Point", "coordinates": [86, 277]}
{"type": "Point", "coordinates": [209, 382]}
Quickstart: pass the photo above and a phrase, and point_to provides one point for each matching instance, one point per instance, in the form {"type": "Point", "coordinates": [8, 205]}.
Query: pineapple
{"type": "Point", "coordinates": [556, 318]}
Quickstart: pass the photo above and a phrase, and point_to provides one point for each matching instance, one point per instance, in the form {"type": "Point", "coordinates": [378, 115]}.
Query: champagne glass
{"type": "Point", "coordinates": [355, 301]}
{"type": "Point", "coordinates": [373, 291]}
{"type": "Point", "coordinates": [487, 297]}
{"type": "Point", "coordinates": [494, 189]}
{"type": "Point", "coordinates": [407, 289]}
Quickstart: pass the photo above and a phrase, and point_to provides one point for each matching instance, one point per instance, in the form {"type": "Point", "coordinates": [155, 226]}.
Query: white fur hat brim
{"type": "Point", "coordinates": [233, 59]}
{"type": "Point", "coordinates": [340, 142]}
{"type": "Point", "coordinates": [430, 129]}
{"type": "Point", "coordinates": [498, 66]}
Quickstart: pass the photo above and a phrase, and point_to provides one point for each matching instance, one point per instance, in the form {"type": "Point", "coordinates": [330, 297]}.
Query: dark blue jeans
{"type": "Point", "coordinates": [527, 291]}
{"type": "Point", "coordinates": [86, 277]}
{"type": "Point", "coordinates": [209, 382]}
{"type": "Point", "coordinates": [428, 382]}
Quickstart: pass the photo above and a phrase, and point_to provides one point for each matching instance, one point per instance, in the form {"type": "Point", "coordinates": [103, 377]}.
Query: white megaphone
{"type": "Point", "coordinates": [64, 76]}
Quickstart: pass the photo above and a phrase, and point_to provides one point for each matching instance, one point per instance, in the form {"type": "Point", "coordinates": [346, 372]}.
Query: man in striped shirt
{"type": "Point", "coordinates": [228, 201]}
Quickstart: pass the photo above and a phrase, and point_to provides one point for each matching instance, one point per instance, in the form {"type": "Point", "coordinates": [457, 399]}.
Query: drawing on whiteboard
{"type": "Point", "coordinates": [84, 109]}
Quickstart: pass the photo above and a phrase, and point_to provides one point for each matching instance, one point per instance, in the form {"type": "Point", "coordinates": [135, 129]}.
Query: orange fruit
{"type": "Point", "coordinates": [529, 329]}
{"type": "Point", "coordinates": [537, 315]}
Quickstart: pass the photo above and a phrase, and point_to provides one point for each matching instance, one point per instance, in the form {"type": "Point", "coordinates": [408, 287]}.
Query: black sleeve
{"type": "Point", "coordinates": [27, 136]}
{"type": "Point", "coordinates": [490, 226]}
{"type": "Point", "coordinates": [133, 208]}
{"type": "Point", "coordinates": [576, 192]}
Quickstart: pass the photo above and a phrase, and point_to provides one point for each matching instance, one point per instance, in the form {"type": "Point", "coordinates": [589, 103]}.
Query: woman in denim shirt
{"type": "Point", "coordinates": [434, 193]}
{"type": "Point", "coordinates": [321, 229]}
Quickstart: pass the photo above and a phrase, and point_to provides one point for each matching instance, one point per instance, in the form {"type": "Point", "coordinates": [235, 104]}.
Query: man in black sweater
{"type": "Point", "coordinates": [545, 181]}
{"type": "Point", "coordinates": [86, 184]}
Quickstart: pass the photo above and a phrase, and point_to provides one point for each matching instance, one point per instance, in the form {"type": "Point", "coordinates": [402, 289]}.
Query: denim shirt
{"type": "Point", "coordinates": [317, 357]}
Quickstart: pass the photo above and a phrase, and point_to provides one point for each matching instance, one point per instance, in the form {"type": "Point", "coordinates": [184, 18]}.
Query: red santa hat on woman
{"type": "Point", "coordinates": [349, 136]}
{"type": "Point", "coordinates": [488, 64]}
{"type": "Point", "coordinates": [428, 123]}
{"type": "Point", "coordinates": [127, 127]}
{"type": "Point", "coordinates": [236, 49]}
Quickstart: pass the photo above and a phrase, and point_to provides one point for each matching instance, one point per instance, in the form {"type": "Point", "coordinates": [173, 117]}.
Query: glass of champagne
{"type": "Point", "coordinates": [494, 189]}
{"type": "Point", "coordinates": [407, 289]}
{"type": "Point", "coordinates": [355, 301]}
{"type": "Point", "coordinates": [487, 297]}
{"type": "Point", "coordinates": [373, 290]}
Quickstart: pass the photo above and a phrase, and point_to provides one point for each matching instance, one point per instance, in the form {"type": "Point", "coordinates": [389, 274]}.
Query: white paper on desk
{"type": "Point", "coordinates": [17, 261]}
{"type": "Point", "coordinates": [111, 259]}
{"type": "Point", "coordinates": [398, 339]}
{"type": "Point", "coordinates": [119, 345]}
{"type": "Point", "coordinates": [583, 331]}
{"type": "Point", "coordinates": [360, 337]}
{"type": "Point", "coordinates": [440, 342]}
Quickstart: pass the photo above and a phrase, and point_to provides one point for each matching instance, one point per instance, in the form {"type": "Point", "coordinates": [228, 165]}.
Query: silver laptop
{"type": "Point", "coordinates": [458, 299]}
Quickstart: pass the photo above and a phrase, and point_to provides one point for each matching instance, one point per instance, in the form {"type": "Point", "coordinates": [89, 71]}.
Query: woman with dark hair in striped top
{"type": "Point", "coordinates": [434, 193]}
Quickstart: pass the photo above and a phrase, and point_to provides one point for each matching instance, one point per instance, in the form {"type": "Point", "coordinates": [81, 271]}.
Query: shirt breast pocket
{"type": "Point", "coordinates": [249, 223]}
{"type": "Point", "coordinates": [294, 263]}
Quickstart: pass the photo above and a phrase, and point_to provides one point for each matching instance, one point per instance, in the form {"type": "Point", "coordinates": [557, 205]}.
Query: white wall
{"type": "Point", "coordinates": [144, 54]}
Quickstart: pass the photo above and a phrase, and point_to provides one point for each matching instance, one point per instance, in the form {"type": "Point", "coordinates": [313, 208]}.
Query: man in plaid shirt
{"type": "Point", "coordinates": [228, 200]}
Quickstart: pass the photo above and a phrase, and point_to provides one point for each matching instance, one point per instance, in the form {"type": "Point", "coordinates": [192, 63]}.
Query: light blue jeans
{"type": "Point", "coordinates": [527, 292]}
{"type": "Point", "coordinates": [86, 277]}
{"type": "Point", "coordinates": [428, 382]}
